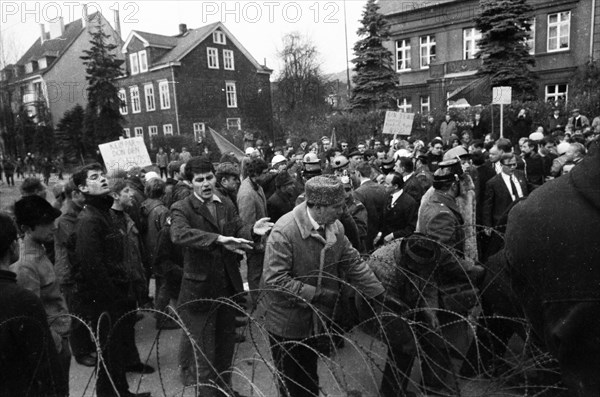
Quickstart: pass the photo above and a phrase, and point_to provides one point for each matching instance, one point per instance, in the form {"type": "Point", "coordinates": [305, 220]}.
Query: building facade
{"type": "Point", "coordinates": [186, 83]}
{"type": "Point", "coordinates": [435, 48]}
{"type": "Point", "coordinates": [50, 77]}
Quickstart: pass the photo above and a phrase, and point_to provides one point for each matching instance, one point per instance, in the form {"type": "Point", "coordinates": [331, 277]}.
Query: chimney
{"type": "Point", "coordinates": [117, 22]}
{"type": "Point", "coordinates": [42, 33]}
{"type": "Point", "coordinates": [84, 16]}
{"type": "Point", "coordinates": [182, 28]}
{"type": "Point", "coordinates": [57, 28]}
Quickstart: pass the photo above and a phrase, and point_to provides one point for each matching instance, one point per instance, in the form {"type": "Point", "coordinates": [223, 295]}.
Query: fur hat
{"type": "Point", "coordinates": [339, 162]}
{"type": "Point", "coordinates": [325, 190]}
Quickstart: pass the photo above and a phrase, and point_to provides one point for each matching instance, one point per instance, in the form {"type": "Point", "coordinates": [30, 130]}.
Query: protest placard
{"type": "Point", "coordinates": [124, 154]}
{"type": "Point", "coordinates": [398, 123]}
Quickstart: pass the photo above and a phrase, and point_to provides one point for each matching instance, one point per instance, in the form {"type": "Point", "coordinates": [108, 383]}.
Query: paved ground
{"type": "Point", "coordinates": [353, 371]}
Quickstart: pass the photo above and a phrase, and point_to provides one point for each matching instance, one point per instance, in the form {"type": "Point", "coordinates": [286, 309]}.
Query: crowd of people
{"type": "Point", "coordinates": [303, 217]}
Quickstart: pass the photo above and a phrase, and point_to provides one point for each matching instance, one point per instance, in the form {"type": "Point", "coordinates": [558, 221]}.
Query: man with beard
{"type": "Point", "coordinates": [101, 278]}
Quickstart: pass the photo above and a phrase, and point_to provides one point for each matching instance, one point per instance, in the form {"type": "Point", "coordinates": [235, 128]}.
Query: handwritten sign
{"type": "Point", "coordinates": [398, 123]}
{"type": "Point", "coordinates": [501, 95]}
{"type": "Point", "coordinates": [124, 154]}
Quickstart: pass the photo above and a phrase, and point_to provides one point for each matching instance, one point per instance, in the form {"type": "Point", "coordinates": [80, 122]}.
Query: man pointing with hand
{"type": "Point", "coordinates": [213, 237]}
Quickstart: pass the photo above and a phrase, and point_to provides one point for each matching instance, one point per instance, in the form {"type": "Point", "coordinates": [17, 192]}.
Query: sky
{"type": "Point", "coordinates": [258, 25]}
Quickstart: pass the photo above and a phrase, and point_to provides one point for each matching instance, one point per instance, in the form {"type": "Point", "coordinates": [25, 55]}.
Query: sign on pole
{"type": "Point", "coordinates": [501, 96]}
{"type": "Point", "coordinates": [124, 154]}
{"type": "Point", "coordinates": [399, 123]}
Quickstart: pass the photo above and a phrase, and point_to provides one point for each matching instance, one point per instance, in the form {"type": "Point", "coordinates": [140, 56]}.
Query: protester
{"type": "Point", "coordinates": [29, 363]}
{"type": "Point", "coordinates": [214, 237]}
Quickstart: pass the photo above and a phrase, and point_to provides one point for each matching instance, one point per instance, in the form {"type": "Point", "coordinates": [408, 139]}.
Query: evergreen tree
{"type": "Point", "coordinates": [70, 132]}
{"type": "Point", "coordinates": [375, 80]}
{"type": "Point", "coordinates": [584, 92]}
{"type": "Point", "coordinates": [505, 27]}
{"type": "Point", "coordinates": [102, 121]}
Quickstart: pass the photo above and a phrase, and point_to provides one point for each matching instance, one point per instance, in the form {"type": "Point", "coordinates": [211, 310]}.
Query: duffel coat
{"type": "Point", "coordinates": [298, 262]}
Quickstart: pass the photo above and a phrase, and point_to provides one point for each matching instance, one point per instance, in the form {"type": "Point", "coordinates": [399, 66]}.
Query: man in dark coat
{"type": "Point", "coordinates": [400, 212]}
{"type": "Point", "coordinates": [101, 277]}
{"type": "Point", "coordinates": [373, 196]}
{"type": "Point", "coordinates": [282, 201]}
{"type": "Point", "coordinates": [553, 252]}
{"type": "Point", "coordinates": [501, 191]}
{"type": "Point", "coordinates": [29, 364]}
{"type": "Point", "coordinates": [213, 237]}
{"type": "Point", "coordinates": [412, 186]}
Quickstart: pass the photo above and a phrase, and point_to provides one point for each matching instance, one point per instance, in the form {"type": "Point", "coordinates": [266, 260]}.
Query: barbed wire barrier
{"type": "Point", "coordinates": [415, 346]}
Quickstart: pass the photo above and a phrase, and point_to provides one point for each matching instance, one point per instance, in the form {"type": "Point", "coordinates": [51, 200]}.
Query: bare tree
{"type": "Point", "coordinates": [301, 89]}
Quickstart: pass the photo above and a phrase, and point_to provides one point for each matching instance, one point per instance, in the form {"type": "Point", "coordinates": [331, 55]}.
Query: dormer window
{"type": "Point", "coordinates": [143, 61]}
{"type": "Point", "coordinates": [29, 67]}
{"type": "Point", "coordinates": [42, 63]}
{"type": "Point", "coordinates": [219, 37]}
{"type": "Point", "coordinates": [133, 61]}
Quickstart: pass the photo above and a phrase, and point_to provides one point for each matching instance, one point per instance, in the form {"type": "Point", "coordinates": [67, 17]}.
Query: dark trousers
{"type": "Point", "coordinates": [296, 363]}
{"type": "Point", "coordinates": [213, 334]}
{"type": "Point", "coordinates": [163, 171]}
{"type": "Point", "coordinates": [113, 340]}
{"type": "Point", "coordinates": [10, 179]}
{"type": "Point", "coordinates": [255, 268]}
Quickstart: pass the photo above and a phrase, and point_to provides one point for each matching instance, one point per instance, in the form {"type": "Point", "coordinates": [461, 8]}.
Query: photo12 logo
{"type": "Point", "coordinates": [52, 11]}
{"type": "Point", "coordinates": [270, 11]}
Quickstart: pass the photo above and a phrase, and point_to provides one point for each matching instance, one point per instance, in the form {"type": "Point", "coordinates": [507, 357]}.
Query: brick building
{"type": "Point", "coordinates": [197, 79]}
{"type": "Point", "coordinates": [435, 45]}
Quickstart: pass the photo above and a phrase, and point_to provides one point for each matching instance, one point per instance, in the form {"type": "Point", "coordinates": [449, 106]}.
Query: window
{"type": "Point", "coordinates": [213, 58]}
{"type": "Point", "coordinates": [139, 132]}
{"type": "Point", "coordinates": [149, 94]}
{"type": "Point", "coordinates": [42, 63]}
{"type": "Point", "coordinates": [168, 129]}
{"type": "Point", "coordinates": [404, 105]}
{"type": "Point", "coordinates": [425, 104]}
{"type": "Point", "coordinates": [234, 124]}
{"type": "Point", "coordinates": [127, 132]}
{"type": "Point", "coordinates": [427, 51]}
{"type": "Point", "coordinates": [165, 98]}
{"type": "Point", "coordinates": [29, 67]}
{"type": "Point", "coordinates": [228, 60]}
{"type": "Point", "coordinates": [530, 41]}
{"type": "Point", "coordinates": [133, 63]}
{"type": "Point", "coordinates": [123, 98]}
{"type": "Point", "coordinates": [559, 25]}
{"type": "Point", "coordinates": [402, 55]}
{"type": "Point", "coordinates": [199, 131]}
{"type": "Point", "coordinates": [556, 93]}
{"type": "Point", "coordinates": [219, 37]}
{"type": "Point", "coordinates": [143, 61]}
{"type": "Point", "coordinates": [153, 131]}
{"type": "Point", "coordinates": [135, 99]}
{"type": "Point", "coordinates": [470, 47]}
{"type": "Point", "coordinates": [231, 95]}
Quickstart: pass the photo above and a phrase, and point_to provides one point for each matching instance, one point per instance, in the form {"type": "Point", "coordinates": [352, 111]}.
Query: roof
{"type": "Point", "coordinates": [55, 47]}
{"type": "Point", "coordinates": [181, 45]}
{"type": "Point", "coordinates": [389, 7]}
{"type": "Point", "coordinates": [157, 40]}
